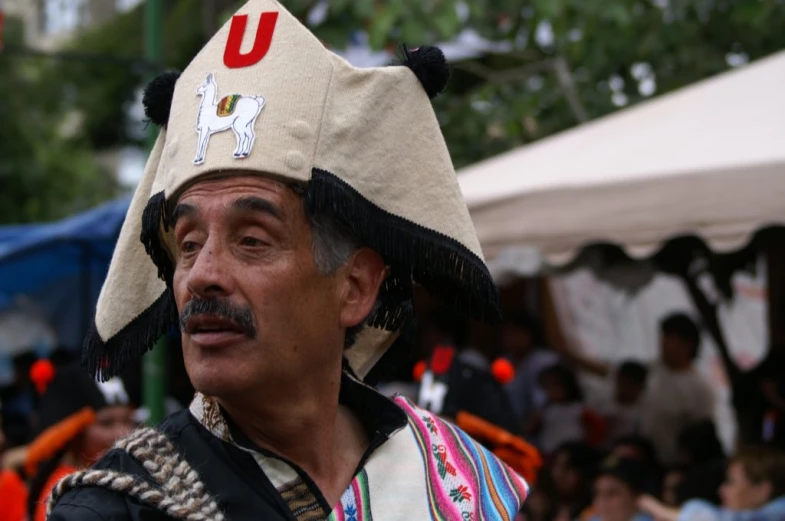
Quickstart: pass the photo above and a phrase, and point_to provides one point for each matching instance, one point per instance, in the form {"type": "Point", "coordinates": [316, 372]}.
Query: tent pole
{"type": "Point", "coordinates": [154, 363]}
{"type": "Point", "coordinates": [775, 276]}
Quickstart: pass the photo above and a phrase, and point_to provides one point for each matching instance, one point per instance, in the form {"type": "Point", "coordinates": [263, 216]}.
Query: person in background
{"type": "Point", "coordinates": [771, 418]}
{"type": "Point", "coordinates": [624, 413]}
{"type": "Point", "coordinates": [676, 393]}
{"type": "Point", "coordinates": [569, 478]}
{"type": "Point", "coordinates": [754, 490]}
{"type": "Point", "coordinates": [79, 420]}
{"type": "Point", "coordinates": [617, 487]}
{"type": "Point", "coordinates": [521, 342]}
{"type": "Point", "coordinates": [640, 449]}
{"type": "Point", "coordinates": [19, 401]}
{"type": "Point", "coordinates": [699, 444]}
{"type": "Point", "coordinates": [564, 417]}
{"type": "Point", "coordinates": [671, 487]}
{"type": "Point", "coordinates": [456, 378]}
{"type": "Point", "coordinates": [637, 448]}
{"type": "Point", "coordinates": [13, 492]}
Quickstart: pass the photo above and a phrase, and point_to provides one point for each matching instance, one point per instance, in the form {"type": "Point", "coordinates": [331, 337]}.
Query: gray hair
{"type": "Point", "coordinates": [333, 244]}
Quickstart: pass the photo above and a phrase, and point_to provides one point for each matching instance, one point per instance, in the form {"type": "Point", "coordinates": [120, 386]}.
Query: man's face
{"type": "Point", "coordinates": [675, 351]}
{"type": "Point", "coordinates": [257, 311]}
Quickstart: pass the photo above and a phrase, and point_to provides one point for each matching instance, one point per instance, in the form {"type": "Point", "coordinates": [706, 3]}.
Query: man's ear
{"type": "Point", "coordinates": [365, 272]}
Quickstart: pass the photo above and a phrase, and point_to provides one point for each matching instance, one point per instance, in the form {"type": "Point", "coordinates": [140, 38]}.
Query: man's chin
{"type": "Point", "coordinates": [217, 377]}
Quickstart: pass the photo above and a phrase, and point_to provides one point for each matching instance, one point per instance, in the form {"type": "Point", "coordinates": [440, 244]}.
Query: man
{"type": "Point", "coordinates": [676, 393]}
{"type": "Point", "coordinates": [287, 248]}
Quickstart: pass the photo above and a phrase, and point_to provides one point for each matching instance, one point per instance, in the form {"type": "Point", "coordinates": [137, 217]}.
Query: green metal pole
{"type": "Point", "coordinates": [154, 368]}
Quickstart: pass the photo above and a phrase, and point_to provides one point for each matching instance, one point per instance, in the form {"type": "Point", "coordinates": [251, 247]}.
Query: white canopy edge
{"type": "Point", "coordinates": [708, 160]}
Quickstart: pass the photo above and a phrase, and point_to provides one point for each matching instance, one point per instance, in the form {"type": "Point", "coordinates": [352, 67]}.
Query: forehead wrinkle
{"type": "Point", "coordinates": [255, 204]}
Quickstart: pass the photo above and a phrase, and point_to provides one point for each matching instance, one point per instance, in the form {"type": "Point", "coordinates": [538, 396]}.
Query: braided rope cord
{"type": "Point", "coordinates": [179, 492]}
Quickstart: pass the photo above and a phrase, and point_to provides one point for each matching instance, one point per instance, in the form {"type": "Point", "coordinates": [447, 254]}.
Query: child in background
{"type": "Point", "coordinates": [569, 480]}
{"type": "Point", "coordinates": [617, 487]}
{"type": "Point", "coordinates": [754, 490]}
{"type": "Point", "coordinates": [624, 413]}
{"type": "Point", "coordinates": [565, 417]}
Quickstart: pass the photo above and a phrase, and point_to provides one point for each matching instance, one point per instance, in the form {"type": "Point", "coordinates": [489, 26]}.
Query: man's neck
{"type": "Point", "coordinates": [310, 429]}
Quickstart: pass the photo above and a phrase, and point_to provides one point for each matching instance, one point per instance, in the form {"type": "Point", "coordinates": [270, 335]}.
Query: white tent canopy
{"type": "Point", "coordinates": [707, 160]}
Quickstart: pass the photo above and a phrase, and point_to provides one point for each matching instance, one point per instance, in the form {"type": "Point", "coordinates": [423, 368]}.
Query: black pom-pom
{"type": "Point", "coordinates": [157, 99]}
{"type": "Point", "coordinates": [429, 65]}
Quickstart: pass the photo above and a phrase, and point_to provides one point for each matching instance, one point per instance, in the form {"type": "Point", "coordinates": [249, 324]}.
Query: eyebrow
{"type": "Point", "coordinates": [182, 210]}
{"type": "Point", "coordinates": [243, 204]}
{"type": "Point", "coordinates": [257, 204]}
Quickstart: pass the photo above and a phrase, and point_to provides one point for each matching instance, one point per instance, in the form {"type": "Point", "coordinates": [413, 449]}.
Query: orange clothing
{"type": "Point", "coordinates": [13, 497]}
{"type": "Point", "coordinates": [59, 473]}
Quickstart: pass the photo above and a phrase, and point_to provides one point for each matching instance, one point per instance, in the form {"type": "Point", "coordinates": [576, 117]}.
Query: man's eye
{"type": "Point", "coordinates": [251, 241]}
{"type": "Point", "coordinates": [188, 247]}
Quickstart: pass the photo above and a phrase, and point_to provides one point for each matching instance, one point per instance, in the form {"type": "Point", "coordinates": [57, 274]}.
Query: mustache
{"type": "Point", "coordinates": [240, 316]}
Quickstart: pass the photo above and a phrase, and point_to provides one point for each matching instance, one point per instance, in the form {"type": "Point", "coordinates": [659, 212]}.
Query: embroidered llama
{"type": "Point", "coordinates": [234, 112]}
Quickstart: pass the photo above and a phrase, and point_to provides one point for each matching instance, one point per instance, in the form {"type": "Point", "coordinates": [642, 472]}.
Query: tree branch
{"type": "Point", "coordinates": [564, 76]}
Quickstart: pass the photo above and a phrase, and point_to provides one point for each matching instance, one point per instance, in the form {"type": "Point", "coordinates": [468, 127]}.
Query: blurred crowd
{"type": "Point", "coordinates": [643, 447]}
{"type": "Point", "coordinates": [646, 449]}
{"type": "Point", "coordinates": [55, 420]}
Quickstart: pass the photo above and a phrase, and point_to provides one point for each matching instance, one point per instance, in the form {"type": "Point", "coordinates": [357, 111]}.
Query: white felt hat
{"type": "Point", "coordinates": [265, 96]}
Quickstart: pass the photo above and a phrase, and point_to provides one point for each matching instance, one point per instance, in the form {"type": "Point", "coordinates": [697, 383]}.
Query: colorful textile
{"type": "Point", "coordinates": [227, 105]}
{"type": "Point", "coordinates": [464, 480]}
{"type": "Point", "coordinates": [427, 469]}
{"type": "Point", "coordinates": [355, 503]}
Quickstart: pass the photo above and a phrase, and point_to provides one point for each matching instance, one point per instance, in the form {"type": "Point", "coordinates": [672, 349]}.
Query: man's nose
{"type": "Point", "coordinates": [209, 275]}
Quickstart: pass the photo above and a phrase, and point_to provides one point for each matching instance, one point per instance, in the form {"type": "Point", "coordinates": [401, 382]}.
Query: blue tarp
{"type": "Point", "coordinates": [61, 266]}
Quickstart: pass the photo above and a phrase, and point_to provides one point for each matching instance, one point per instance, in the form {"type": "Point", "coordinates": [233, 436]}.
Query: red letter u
{"type": "Point", "coordinates": [233, 58]}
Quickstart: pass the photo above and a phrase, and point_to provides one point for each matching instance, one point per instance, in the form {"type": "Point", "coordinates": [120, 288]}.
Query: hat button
{"type": "Point", "coordinates": [295, 160]}
{"type": "Point", "coordinates": [300, 129]}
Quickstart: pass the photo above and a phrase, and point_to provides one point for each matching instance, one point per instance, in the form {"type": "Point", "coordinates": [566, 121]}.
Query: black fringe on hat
{"type": "Point", "coordinates": [155, 214]}
{"type": "Point", "coordinates": [394, 308]}
{"type": "Point", "coordinates": [104, 360]}
{"type": "Point", "coordinates": [442, 265]}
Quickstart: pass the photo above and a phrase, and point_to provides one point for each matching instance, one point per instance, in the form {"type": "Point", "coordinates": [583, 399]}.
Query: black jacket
{"type": "Point", "coordinates": [245, 492]}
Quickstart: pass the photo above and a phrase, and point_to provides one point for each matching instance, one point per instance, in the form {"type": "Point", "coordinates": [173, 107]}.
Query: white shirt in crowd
{"type": "Point", "coordinates": [524, 391]}
{"type": "Point", "coordinates": [561, 423]}
{"type": "Point", "coordinates": [673, 400]}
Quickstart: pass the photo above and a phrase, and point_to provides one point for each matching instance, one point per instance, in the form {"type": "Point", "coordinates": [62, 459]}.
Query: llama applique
{"type": "Point", "coordinates": [234, 112]}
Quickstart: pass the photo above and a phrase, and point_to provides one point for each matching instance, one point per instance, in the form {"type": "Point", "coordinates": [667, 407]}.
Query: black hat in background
{"type": "Point", "coordinates": [70, 399]}
{"type": "Point", "coordinates": [628, 471]}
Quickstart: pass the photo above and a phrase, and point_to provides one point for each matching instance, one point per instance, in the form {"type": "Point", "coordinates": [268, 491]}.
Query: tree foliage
{"type": "Point", "coordinates": [566, 61]}
{"type": "Point", "coordinates": [45, 172]}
